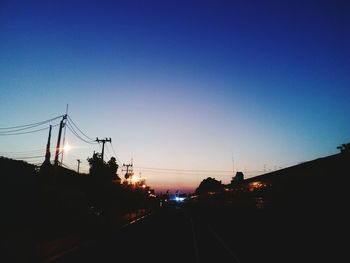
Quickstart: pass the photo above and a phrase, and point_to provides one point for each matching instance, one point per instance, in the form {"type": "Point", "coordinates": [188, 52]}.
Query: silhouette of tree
{"type": "Point", "coordinates": [344, 148]}
{"type": "Point", "coordinates": [239, 177]}
{"type": "Point", "coordinates": [209, 185]}
{"type": "Point", "coordinates": [106, 172]}
{"type": "Point", "coordinates": [97, 165]}
{"type": "Point", "coordinates": [113, 168]}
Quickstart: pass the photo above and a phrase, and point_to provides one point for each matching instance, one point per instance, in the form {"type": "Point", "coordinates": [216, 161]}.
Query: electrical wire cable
{"type": "Point", "coordinates": [71, 129]}
{"type": "Point", "coordinates": [108, 153]}
{"type": "Point", "coordinates": [29, 157]}
{"type": "Point", "coordinates": [115, 155]}
{"type": "Point", "coordinates": [18, 128]}
{"type": "Point", "coordinates": [33, 155]}
{"type": "Point", "coordinates": [20, 133]}
{"type": "Point", "coordinates": [72, 122]}
{"type": "Point", "coordinates": [184, 170]}
{"type": "Point", "coordinates": [27, 151]}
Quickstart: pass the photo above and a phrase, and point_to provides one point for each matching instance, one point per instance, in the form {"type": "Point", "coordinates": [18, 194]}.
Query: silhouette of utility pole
{"type": "Point", "coordinates": [48, 154]}
{"type": "Point", "coordinates": [127, 170]}
{"type": "Point", "coordinates": [78, 164]}
{"type": "Point", "coordinates": [64, 136]}
{"type": "Point", "coordinates": [62, 124]}
{"type": "Point", "coordinates": [103, 144]}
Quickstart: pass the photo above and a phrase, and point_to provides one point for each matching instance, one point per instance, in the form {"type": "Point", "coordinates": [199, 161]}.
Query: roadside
{"type": "Point", "coordinates": [49, 250]}
{"type": "Point", "coordinates": [24, 246]}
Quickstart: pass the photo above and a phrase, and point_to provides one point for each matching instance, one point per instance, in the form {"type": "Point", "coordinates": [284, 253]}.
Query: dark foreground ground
{"type": "Point", "coordinates": [202, 233]}
{"type": "Point", "coordinates": [297, 214]}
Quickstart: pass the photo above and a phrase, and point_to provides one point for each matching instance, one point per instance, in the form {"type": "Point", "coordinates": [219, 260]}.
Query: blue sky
{"type": "Point", "coordinates": [180, 84]}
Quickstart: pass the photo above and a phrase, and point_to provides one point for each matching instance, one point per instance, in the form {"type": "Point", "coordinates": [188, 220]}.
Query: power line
{"type": "Point", "coordinates": [26, 152]}
{"type": "Point", "coordinates": [70, 119]}
{"type": "Point", "coordinates": [115, 154]}
{"type": "Point", "coordinates": [183, 170]}
{"type": "Point", "coordinates": [29, 125]}
{"type": "Point", "coordinates": [21, 129]}
{"type": "Point", "coordinates": [35, 127]}
{"type": "Point", "coordinates": [70, 168]}
{"type": "Point", "coordinates": [184, 174]}
{"type": "Point", "coordinates": [71, 129]}
{"type": "Point", "coordinates": [29, 157]}
{"type": "Point", "coordinates": [108, 153]}
{"type": "Point", "coordinates": [19, 133]}
{"type": "Point", "coordinates": [203, 173]}
{"type": "Point", "coordinates": [191, 171]}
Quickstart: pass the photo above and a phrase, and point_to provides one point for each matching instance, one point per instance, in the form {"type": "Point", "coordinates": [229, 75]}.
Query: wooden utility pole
{"type": "Point", "coordinates": [48, 155]}
{"type": "Point", "coordinates": [103, 144]}
{"type": "Point", "coordinates": [64, 136]}
{"type": "Point", "coordinates": [78, 164]}
{"type": "Point", "coordinates": [62, 124]}
{"type": "Point", "coordinates": [127, 175]}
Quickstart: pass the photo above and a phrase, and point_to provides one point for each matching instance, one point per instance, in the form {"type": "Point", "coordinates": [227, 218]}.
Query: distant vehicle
{"type": "Point", "coordinates": [179, 198]}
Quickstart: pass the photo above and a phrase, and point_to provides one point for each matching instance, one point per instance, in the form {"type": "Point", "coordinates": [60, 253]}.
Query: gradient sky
{"type": "Point", "coordinates": [183, 85]}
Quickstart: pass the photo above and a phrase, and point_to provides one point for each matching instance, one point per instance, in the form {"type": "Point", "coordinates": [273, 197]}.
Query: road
{"type": "Point", "coordinates": [182, 233]}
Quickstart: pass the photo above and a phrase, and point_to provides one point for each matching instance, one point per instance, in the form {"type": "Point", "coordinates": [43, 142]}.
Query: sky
{"type": "Point", "coordinates": [185, 89]}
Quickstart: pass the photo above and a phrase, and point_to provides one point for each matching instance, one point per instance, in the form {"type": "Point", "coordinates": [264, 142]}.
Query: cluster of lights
{"type": "Point", "coordinates": [179, 199]}
{"type": "Point", "coordinates": [134, 179]}
{"type": "Point", "coordinates": [256, 185]}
